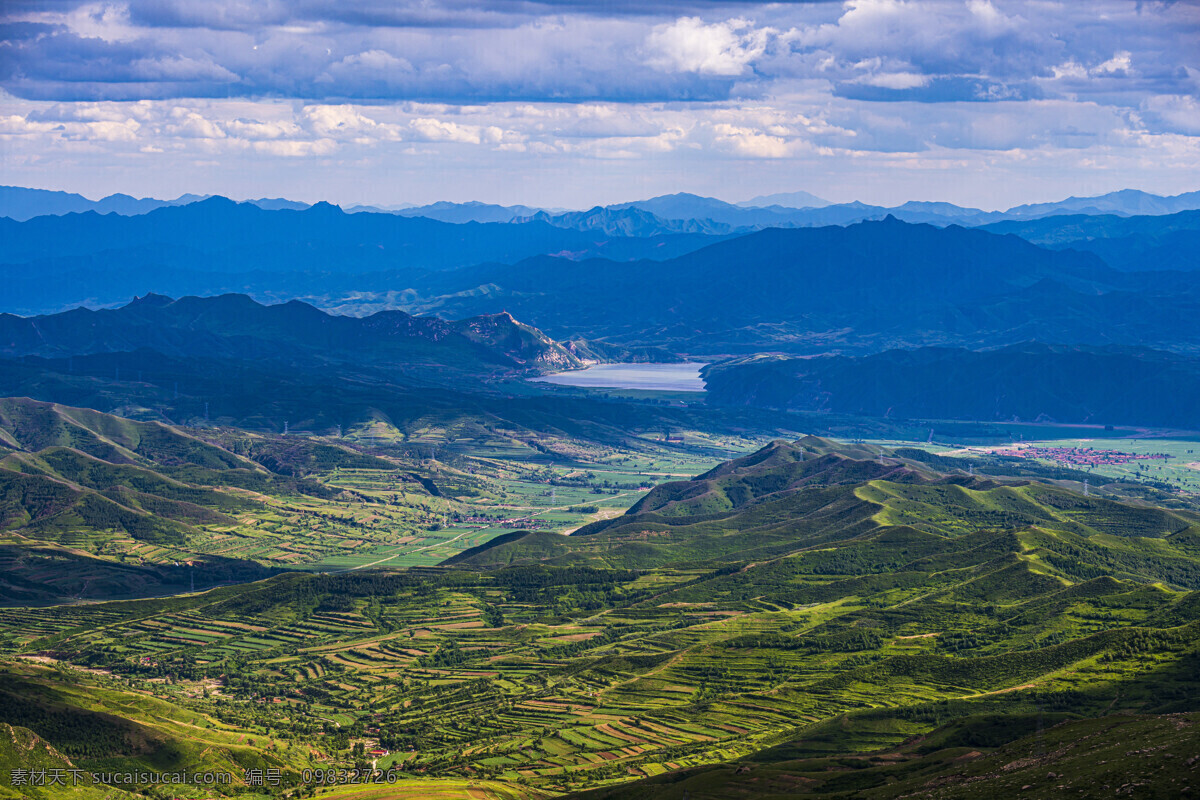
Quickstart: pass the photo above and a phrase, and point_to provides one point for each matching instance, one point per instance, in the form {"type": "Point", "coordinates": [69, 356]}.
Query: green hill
{"type": "Point", "coordinates": [102, 729]}
{"type": "Point", "coordinates": [788, 499]}
{"type": "Point", "coordinates": [810, 619]}
{"type": "Point", "coordinates": [990, 757]}
{"type": "Point", "coordinates": [95, 505]}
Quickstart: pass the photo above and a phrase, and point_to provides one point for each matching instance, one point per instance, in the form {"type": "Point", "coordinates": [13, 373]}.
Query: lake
{"type": "Point", "coordinates": [658, 377]}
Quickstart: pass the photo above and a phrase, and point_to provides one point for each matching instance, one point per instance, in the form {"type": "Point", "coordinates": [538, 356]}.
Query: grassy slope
{"type": "Point", "coordinates": [567, 677]}
{"type": "Point", "coordinates": [1142, 756]}
{"type": "Point", "coordinates": [792, 497]}
{"type": "Point", "coordinates": [104, 728]}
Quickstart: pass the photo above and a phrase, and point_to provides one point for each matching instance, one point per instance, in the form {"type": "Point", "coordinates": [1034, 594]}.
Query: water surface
{"type": "Point", "coordinates": [657, 377]}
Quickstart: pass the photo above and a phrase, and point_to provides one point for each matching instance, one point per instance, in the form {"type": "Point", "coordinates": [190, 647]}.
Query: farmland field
{"type": "Point", "coordinates": [568, 672]}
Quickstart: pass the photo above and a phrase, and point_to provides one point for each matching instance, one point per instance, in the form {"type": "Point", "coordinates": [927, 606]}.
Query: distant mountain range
{"type": "Point", "coordinates": [605, 275]}
{"type": "Point", "coordinates": [389, 377]}
{"type": "Point", "coordinates": [235, 326]}
{"type": "Point", "coordinates": [792, 209]}
{"type": "Point", "coordinates": [787, 200]}
{"type": "Point", "coordinates": [692, 274]}
{"type": "Point", "coordinates": [867, 287]}
{"type": "Point", "coordinates": [1026, 382]}
{"type": "Point", "coordinates": [1159, 242]}
{"type": "Point", "coordinates": [21, 204]}
{"type": "Point", "coordinates": [217, 245]}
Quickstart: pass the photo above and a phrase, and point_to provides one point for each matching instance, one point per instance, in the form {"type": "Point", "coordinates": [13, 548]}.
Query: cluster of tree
{"type": "Point", "coordinates": [75, 732]}
{"type": "Point", "coordinates": [848, 641]}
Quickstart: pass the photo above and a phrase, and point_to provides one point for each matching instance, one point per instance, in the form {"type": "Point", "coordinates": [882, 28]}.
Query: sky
{"type": "Point", "coordinates": [984, 103]}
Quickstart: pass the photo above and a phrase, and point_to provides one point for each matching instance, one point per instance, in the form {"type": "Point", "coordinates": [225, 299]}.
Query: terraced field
{"type": "Point", "coordinates": [143, 509]}
{"type": "Point", "coordinates": [807, 603]}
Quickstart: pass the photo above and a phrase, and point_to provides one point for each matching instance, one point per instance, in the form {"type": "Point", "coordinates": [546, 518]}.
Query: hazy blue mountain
{"type": "Point", "coordinates": [217, 245]}
{"type": "Point", "coordinates": [746, 216]}
{"type": "Point", "coordinates": [219, 235]}
{"type": "Point", "coordinates": [1063, 229]}
{"type": "Point", "coordinates": [814, 289]}
{"type": "Point", "coordinates": [1030, 381]}
{"type": "Point", "coordinates": [689, 206]}
{"type": "Point", "coordinates": [630, 221]}
{"type": "Point", "coordinates": [1162, 242]}
{"type": "Point", "coordinates": [1126, 202]}
{"type": "Point", "coordinates": [1172, 250]}
{"type": "Point", "coordinates": [235, 326]}
{"type": "Point", "coordinates": [468, 212]}
{"type": "Point", "coordinates": [269, 203]}
{"type": "Point", "coordinates": [787, 200]}
{"type": "Point", "coordinates": [377, 209]}
{"type": "Point", "coordinates": [785, 211]}
{"type": "Point", "coordinates": [21, 204]}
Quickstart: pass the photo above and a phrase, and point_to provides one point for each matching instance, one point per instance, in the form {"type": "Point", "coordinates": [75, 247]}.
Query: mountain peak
{"type": "Point", "coordinates": [150, 300]}
{"type": "Point", "coordinates": [800, 199]}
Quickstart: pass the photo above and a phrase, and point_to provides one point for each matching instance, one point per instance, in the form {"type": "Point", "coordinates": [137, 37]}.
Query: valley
{"type": "Point", "coordinates": [137, 507]}
{"type": "Point", "coordinates": [475, 400]}
{"type": "Point", "coordinates": [599, 506]}
{"type": "Point", "coordinates": [807, 605]}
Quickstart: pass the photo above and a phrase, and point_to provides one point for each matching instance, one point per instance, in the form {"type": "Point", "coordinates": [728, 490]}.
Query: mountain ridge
{"type": "Point", "coordinates": [238, 326]}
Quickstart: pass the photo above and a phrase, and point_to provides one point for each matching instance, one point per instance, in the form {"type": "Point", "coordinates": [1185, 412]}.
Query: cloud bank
{"type": "Point", "coordinates": [1100, 93]}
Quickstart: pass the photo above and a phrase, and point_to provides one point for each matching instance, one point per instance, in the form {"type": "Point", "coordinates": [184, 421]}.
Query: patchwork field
{"type": "Point", "coordinates": [808, 603]}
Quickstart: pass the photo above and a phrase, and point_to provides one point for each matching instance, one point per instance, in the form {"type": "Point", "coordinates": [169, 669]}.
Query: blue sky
{"type": "Point", "coordinates": [576, 103]}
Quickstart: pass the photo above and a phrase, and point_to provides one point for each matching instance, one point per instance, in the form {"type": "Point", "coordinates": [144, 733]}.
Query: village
{"type": "Point", "coordinates": [1081, 456]}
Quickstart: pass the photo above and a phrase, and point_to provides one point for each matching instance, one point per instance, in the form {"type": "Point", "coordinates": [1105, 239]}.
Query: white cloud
{"type": "Point", "coordinates": [377, 61]}
{"type": "Point", "coordinates": [721, 48]}
{"type": "Point", "coordinates": [1176, 113]}
{"type": "Point", "coordinates": [749, 142]}
{"type": "Point", "coordinates": [179, 68]}
{"type": "Point", "coordinates": [257, 129]}
{"type": "Point", "coordinates": [679, 95]}
{"type": "Point", "coordinates": [296, 149]}
{"type": "Point", "coordinates": [434, 130]}
{"type": "Point", "coordinates": [126, 131]}
{"type": "Point", "coordinates": [190, 124]}
{"type": "Point", "coordinates": [1119, 64]}
{"type": "Point", "coordinates": [345, 121]}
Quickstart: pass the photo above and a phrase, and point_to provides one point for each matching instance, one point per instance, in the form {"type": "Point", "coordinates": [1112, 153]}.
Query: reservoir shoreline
{"type": "Point", "coordinates": [684, 377]}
